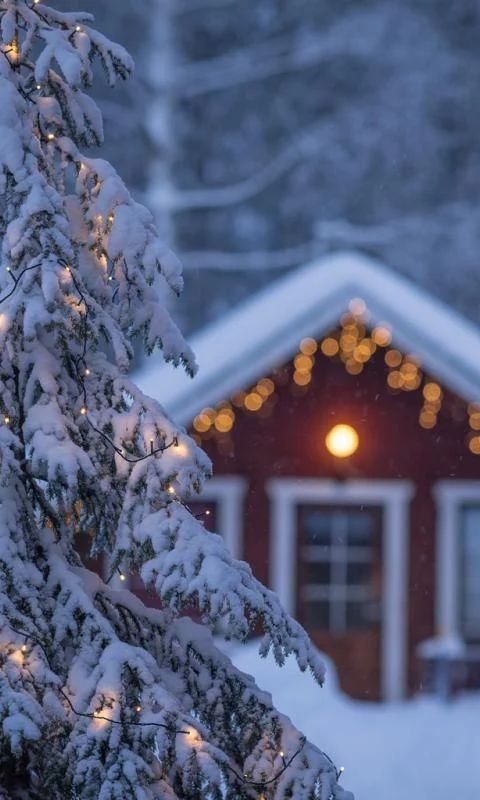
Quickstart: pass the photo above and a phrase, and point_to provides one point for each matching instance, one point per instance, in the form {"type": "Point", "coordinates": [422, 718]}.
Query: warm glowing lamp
{"type": "Point", "coordinates": [342, 441]}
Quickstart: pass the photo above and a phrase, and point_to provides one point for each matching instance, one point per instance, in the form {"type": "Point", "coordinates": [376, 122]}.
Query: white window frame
{"type": "Point", "coordinates": [450, 495]}
{"type": "Point", "coordinates": [228, 492]}
{"type": "Point", "coordinates": [394, 497]}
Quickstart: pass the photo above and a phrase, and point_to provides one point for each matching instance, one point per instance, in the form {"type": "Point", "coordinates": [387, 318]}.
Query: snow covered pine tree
{"type": "Point", "coordinates": [101, 697]}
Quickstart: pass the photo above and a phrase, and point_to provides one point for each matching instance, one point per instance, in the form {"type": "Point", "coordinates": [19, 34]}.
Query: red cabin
{"type": "Point", "coordinates": [369, 533]}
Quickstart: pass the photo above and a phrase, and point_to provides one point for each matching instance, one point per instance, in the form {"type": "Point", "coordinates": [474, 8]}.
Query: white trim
{"type": "Point", "coordinates": [394, 497]}
{"type": "Point", "coordinates": [228, 491]}
{"type": "Point", "coordinates": [253, 338]}
{"type": "Point", "coordinates": [449, 496]}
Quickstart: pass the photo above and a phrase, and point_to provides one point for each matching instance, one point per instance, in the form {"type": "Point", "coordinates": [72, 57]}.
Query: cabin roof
{"type": "Point", "coordinates": [262, 333]}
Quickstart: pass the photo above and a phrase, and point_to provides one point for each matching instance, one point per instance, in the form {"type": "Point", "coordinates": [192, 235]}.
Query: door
{"type": "Point", "coordinates": [339, 589]}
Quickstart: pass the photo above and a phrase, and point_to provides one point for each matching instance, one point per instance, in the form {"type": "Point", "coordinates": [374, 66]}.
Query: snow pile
{"type": "Point", "coordinates": [421, 749]}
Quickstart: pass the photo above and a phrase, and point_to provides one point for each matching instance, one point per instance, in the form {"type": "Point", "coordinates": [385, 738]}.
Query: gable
{"type": "Point", "coordinates": [264, 332]}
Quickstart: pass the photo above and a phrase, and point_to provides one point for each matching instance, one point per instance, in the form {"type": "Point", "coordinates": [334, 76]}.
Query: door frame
{"type": "Point", "coordinates": [393, 496]}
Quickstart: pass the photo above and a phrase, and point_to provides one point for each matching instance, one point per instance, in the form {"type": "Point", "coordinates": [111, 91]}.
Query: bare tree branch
{"type": "Point", "coordinates": [189, 6]}
{"type": "Point", "coordinates": [246, 65]}
{"type": "Point", "coordinates": [220, 197]}
{"type": "Point", "coordinates": [350, 234]}
{"type": "Point", "coordinates": [255, 260]}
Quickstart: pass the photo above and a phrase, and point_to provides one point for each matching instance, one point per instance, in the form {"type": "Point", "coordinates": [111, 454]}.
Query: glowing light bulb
{"type": "Point", "coordinates": [50, 137]}
{"type": "Point", "coordinates": [110, 278]}
{"type": "Point", "coordinates": [138, 709]}
{"type": "Point", "coordinates": [342, 441]}
{"type": "Point", "coordinates": [6, 419]}
{"type": "Point", "coordinates": [171, 490]}
{"type": "Point", "coordinates": [83, 410]}
{"type": "Point", "coordinates": [8, 269]}
{"type": "Point", "coordinates": [78, 28]}
{"type": "Point", "coordinates": [207, 514]}
{"type": "Point", "coordinates": [281, 754]}
{"type": "Point", "coordinates": [122, 577]}
{"type": "Point", "coordinates": [87, 372]}
{"type": "Point", "coordinates": [24, 648]}
{"type": "Point", "coordinates": [38, 86]}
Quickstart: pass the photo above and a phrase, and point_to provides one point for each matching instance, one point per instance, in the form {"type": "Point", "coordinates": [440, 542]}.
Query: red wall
{"type": "Point", "coordinates": [392, 445]}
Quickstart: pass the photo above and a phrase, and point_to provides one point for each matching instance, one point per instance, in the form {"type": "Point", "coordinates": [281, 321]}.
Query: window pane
{"type": "Point", "coordinates": [359, 615]}
{"type": "Point", "coordinates": [317, 526]}
{"type": "Point", "coordinates": [317, 615]}
{"type": "Point", "coordinates": [318, 572]}
{"type": "Point", "coordinates": [359, 574]}
{"type": "Point", "coordinates": [470, 585]}
{"type": "Point", "coordinates": [361, 526]}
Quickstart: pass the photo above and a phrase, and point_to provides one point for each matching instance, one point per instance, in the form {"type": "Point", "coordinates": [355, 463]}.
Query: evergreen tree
{"type": "Point", "coordinates": [101, 697]}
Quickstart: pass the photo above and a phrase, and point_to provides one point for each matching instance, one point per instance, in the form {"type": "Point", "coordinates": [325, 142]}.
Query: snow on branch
{"type": "Point", "coordinates": [101, 698]}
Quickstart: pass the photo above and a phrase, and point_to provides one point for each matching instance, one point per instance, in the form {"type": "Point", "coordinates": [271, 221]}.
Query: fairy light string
{"type": "Point", "coordinates": [83, 371]}
{"type": "Point", "coordinates": [98, 715]}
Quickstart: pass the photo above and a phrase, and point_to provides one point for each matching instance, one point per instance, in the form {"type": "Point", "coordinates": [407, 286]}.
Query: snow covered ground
{"type": "Point", "coordinates": [422, 749]}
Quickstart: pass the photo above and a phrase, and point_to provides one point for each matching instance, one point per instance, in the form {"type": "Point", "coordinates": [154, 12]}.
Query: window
{"type": "Point", "coordinates": [339, 585]}
{"type": "Point", "coordinates": [469, 605]}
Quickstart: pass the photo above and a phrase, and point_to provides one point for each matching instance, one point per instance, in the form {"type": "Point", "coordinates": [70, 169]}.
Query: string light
{"type": "Point", "coordinates": [83, 410]}
{"type": "Point", "coordinates": [98, 715]}
{"type": "Point", "coordinates": [6, 419]}
{"type": "Point", "coordinates": [50, 137]}
{"type": "Point", "coordinates": [78, 28]}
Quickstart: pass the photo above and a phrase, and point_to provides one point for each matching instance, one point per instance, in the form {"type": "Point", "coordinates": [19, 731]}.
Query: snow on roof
{"type": "Point", "coordinates": [264, 332]}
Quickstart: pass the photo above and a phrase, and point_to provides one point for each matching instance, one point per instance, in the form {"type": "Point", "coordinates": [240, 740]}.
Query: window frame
{"type": "Point", "coordinates": [228, 492]}
{"type": "Point", "coordinates": [338, 592]}
{"type": "Point", "coordinates": [450, 496]}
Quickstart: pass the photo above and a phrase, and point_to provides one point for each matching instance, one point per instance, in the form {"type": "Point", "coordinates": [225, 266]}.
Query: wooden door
{"type": "Point", "coordinates": [339, 589]}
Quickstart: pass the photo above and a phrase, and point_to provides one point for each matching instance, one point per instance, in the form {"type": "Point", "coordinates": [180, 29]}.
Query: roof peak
{"type": "Point", "coordinates": [264, 331]}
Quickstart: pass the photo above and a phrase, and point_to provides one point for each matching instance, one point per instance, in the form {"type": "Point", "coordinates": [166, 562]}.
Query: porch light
{"type": "Point", "coordinates": [342, 441]}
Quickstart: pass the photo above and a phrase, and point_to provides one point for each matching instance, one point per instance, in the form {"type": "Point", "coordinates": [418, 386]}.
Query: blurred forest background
{"type": "Point", "coordinates": [265, 132]}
